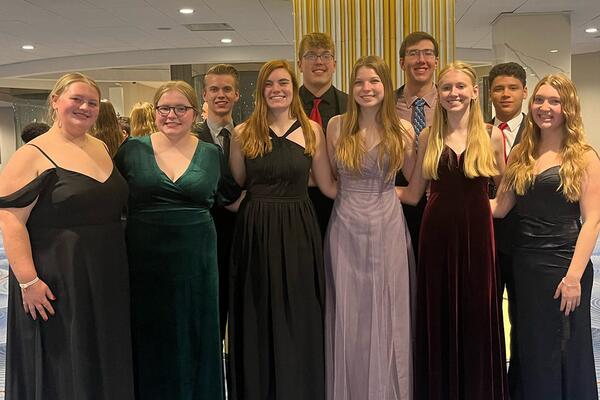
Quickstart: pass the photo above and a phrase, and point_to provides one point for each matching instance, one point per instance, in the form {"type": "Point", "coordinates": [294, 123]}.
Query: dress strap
{"type": "Point", "coordinates": [292, 128]}
{"type": "Point", "coordinates": [45, 155]}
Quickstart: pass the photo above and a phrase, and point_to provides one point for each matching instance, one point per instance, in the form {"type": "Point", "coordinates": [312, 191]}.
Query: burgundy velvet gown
{"type": "Point", "coordinates": [459, 342]}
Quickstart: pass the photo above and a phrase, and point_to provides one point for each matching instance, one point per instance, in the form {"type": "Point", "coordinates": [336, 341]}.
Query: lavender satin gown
{"type": "Point", "coordinates": [368, 256]}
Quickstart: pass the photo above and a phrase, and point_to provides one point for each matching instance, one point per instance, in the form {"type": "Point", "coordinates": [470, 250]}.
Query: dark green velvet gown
{"type": "Point", "coordinates": [171, 244]}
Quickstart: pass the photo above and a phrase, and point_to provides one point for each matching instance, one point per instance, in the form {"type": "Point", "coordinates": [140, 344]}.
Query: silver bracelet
{"type": "Point", "coordinates": [26, 285]}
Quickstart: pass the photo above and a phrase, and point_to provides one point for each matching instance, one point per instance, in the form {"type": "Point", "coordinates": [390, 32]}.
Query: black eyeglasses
{"type": "Point", "coordinates": [178, 110]}
{"type": "Point", "coordinates": [312, 57]}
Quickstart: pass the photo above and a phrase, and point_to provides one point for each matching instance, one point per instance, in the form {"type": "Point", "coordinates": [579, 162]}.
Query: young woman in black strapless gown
{"type": "Point", "coordinates": [553, 177]}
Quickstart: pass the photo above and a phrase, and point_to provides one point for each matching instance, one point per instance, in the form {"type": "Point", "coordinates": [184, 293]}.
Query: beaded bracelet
{"type": "Point", "coordinates": [26, 285]}
{"type": "Point", "coordinates": [567, 285]}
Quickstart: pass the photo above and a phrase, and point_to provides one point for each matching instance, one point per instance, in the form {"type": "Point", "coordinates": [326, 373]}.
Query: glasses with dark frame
{"type": "Point", "coordinates": [179, 110]}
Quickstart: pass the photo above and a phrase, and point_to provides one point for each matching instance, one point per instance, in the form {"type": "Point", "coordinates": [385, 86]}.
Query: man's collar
{"type": "Point", "coordinates": [513, 124]}
{"type": "Point", "coordinates": [307, 96]}
{"type": "Point", "coordinates": [216, 128]}
{"type": "Point", "coordinates": [429, 96]}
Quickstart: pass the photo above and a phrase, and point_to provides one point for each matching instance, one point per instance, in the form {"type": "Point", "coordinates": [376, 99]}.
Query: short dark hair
{"type": "Point", "coordinates": [33, 130]}
{"type": "Point", "coordinates": [414, 38]}
{"type": "Point", "coordinates": [508, 69]}
{"type": "Point", "coordinates": [223, 69]}
{"type": "Point", "coordinates": [125, 124]}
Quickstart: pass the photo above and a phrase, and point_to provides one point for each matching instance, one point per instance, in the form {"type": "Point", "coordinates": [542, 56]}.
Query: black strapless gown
{"type": "Point", "coordinates": [78, 248]}
{"type": "Point", "coordinates": [555, 360]}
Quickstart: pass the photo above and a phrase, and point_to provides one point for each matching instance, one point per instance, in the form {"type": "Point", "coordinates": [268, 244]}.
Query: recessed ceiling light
{"type": "Point", "coordinates": [27, 47]}
{"type": "Point", "coordinates": [186, 10]}
{"type": "Point", "coordinates": [554, 51]}
{"type": "Point", "coordinates": [226, 40]}
{"type": "Point", "coordinates": [591, 30]}
{"type": "Point", "coordinates": [531, 74]}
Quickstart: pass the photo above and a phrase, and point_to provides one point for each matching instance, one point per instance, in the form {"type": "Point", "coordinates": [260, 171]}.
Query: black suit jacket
{"type": "Point", "coordinates": [230, 190]}
{"type": "Point", "coordinates": [504, 228]}
{"type": "Point", "coordinates": [203, 133]}
{"type": "Point", "coordinates": [224, 224]}
{"type": "Point", "coordinates": [224, 219]}
{"type": "Point", "coordinates": [342, 99]}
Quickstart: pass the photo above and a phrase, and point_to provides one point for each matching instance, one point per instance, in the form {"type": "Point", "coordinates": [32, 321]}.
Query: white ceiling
{"type": "Point", "coordinates": [63, 29]}
{"type": "Point", "coordinates": [93, 34]}
{"type": "Point", "coordinates": [474, 20]}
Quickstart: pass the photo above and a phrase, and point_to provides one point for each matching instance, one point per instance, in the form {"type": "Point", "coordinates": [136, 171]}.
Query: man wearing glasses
{"type": "Point", "coordinates": [415, 102]}
{"type": "Point", "coordinates": [320, 99]}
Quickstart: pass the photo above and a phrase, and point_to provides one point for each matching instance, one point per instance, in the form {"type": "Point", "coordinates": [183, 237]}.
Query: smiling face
{"type": "Point", "coordinates": [546, 108]}
{"type": "Point", "coordinates": [456, 90]}
{"type": "Point", "coordinates": [220, 94]}
{"type": "Point", "coordinates": [419, 62]}
{"type": "Point", "coordinates": [507, 95]}
{"type": "Point", "coordinates": [278, 89]}
{"type": "Point", "coordinates": [367, 90]}
{"type": "Point", "coordinates": [173, 124]}
{"type": "Point", "coordinates": [77, 107]}
{"type": "Point", "coordinates": [316, 71]}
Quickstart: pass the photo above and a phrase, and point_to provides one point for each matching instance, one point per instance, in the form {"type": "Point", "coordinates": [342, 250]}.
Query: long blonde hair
{"type": "Point", "coordinates": [141, 119]}
{"type": "Point", "coordinates": [350, 147]}
{"type": "Point", "coordinates": [519, 174]}
{"type": "Point", "coordinates": [254, 137]}
{"type": "Point", "coordinates": [479, 156]}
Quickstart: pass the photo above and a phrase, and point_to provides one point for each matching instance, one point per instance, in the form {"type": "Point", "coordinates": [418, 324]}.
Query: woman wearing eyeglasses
{"type": "Point", "coordinates": [174, 179]}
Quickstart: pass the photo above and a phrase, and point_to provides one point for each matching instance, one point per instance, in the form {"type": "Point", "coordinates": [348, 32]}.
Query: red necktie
{"type": "Point", "coordinates": [502, 127]}
{"type": "Point", "coordinates": [315, 115]}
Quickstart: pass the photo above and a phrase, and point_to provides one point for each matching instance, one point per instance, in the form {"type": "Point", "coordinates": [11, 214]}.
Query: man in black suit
{"type": "Point", "coordinates": [221, 92]}
{"type": "Point", "coordinates": [508, 90]}
{"type": "Point", "coordinates": [320, 99]}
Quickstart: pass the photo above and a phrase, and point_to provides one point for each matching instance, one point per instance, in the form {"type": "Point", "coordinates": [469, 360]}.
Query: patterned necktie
{"type": "Point", "coordinates": [418, 117]}
{"type": "Point", "coordinates": [226, 137]}
{"type": "Point", "coordinates": [315, 115]}
{"type": "Point", "coordinates": [502, 127]}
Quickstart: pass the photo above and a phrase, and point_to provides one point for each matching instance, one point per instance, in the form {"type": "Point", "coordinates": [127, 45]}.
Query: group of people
{"type": "Point", "coordinates": [289, 229]}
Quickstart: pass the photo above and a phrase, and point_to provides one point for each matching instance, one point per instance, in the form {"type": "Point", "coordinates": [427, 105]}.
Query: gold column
{"type": "Point", "coordinates": [363, 27]}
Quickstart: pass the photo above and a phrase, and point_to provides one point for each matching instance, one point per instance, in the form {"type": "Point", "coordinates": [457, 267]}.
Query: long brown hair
{"type": "Point", "coordinates": [479, 156]}
{"type": "Point", "coordinates": [107, 127]}
{"type": "Point", "coordinates": [350, 147]}
{"type": "Point", "coordinates": [519, 175]}
{"type": "Point", "coordinates": [254, 137]}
